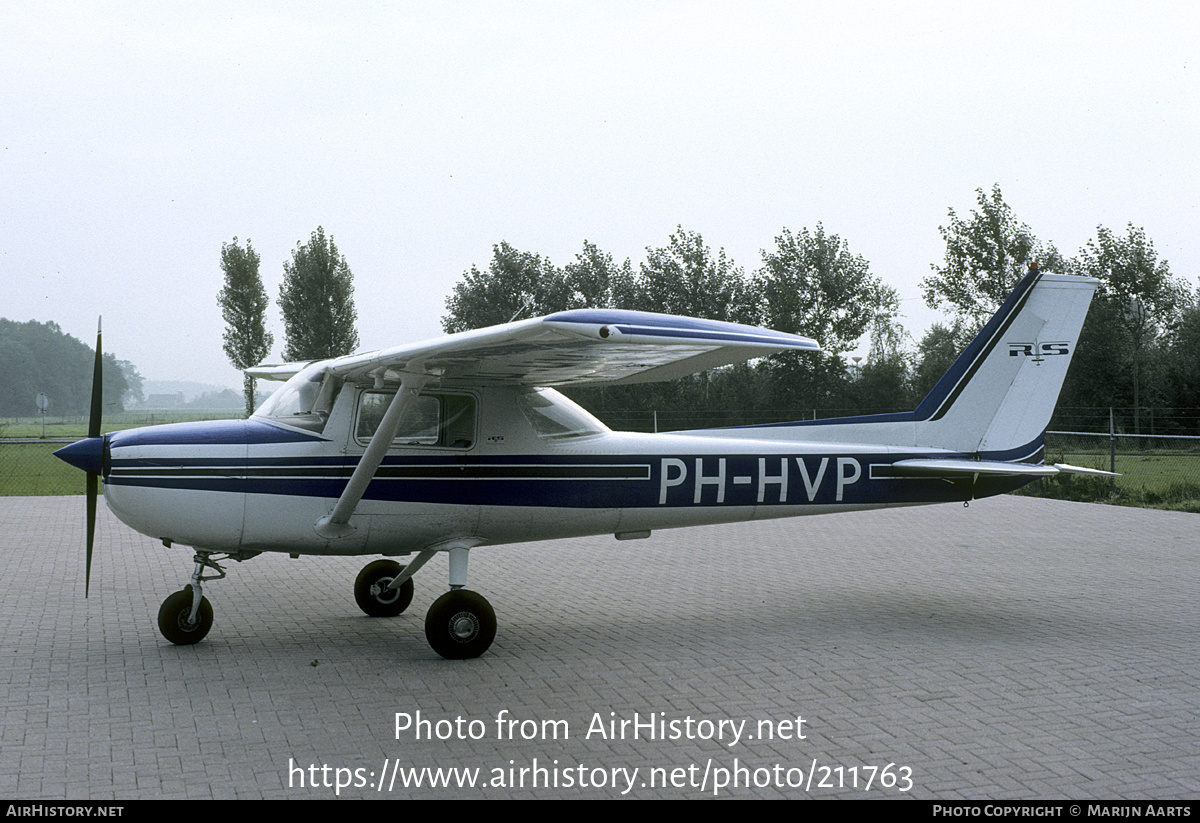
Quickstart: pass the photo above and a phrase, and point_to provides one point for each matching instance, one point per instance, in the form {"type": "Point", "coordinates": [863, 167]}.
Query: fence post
{"type": "Point", "coordinates": [1112, 445]}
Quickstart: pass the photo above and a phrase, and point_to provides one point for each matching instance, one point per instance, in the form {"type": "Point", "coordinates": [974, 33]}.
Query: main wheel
{"type": "Point", "coordinates": [372, 594]}
{"type": "Point", "coordinates": [174, 618]}
{"type": "Point", "coordinates": [460, 625]}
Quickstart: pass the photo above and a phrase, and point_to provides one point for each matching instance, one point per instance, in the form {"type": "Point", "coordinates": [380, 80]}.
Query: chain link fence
{"type": "Point", "coordinates": [28, 467]}
{"type": "Point", "coordinates": [1161, 471]}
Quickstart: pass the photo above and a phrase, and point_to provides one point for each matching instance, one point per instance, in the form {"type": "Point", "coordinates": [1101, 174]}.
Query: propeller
{"type": "Point", "coordinates": [89, 455]}
{"type": "Point", "coordinates": [93, 478]}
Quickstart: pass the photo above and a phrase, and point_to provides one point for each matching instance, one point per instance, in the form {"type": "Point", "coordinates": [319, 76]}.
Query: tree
{"type": "Point", "coordinates": [883, 385]}
{"type": "Point", "coordinates": [985, 257]}
{"type": "Point", "coordinates": [39, 357]}
{"type": "Point", "coordinates": [134, 381]}
{"type": "Point", "coordinates": [812, 285]}
{"type": "Point", "coordinates": [885, 382]}
{"type": "Point", "coordinates": [1183, 364]}
{"type": "Point", "coordinates": [317, 301]}
{"type": "Point", "coordinates": [243, 304]}
{"type": "Point", "coordinates": [516, 284]}
{"type": "Point", "coordinates": [1144, 300]}
{"type": "Point", "coordinates": [22, 375]}
{"type": "Point", "coordinates": [936, 353]}
{"type": "Point", "coordinates": [593, 280]}
{"type": "Point", "coordinates": [684, 278]}
{"type": "Point", "coordinates": [1129, 270]}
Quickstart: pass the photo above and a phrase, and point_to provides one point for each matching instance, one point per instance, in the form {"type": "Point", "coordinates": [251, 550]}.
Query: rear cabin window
{"type": "Point", "coordinates": [446, 420]}
{"type": "Point", "coordinates": [554, 417]}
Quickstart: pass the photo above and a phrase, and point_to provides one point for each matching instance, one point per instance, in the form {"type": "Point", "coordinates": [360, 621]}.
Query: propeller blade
{"type": "Point", "coordinates": [93, 479]}
{"type": "Point", "coordinates": [97, 387]}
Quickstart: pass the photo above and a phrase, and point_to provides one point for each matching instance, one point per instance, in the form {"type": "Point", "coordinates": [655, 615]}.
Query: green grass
{"type": "Point", "coordinates": [1154, 478]}
{"type": "Point", "coordinates": [1156, 471]}
{"type": "Point", "coordinates": [31, 469]}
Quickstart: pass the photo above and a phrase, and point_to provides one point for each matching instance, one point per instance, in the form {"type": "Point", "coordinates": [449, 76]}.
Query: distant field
{"type": "Point", "coordinates": [75, 427]}
{"type": "Point", "coordinates": [1153, 470]}
{"type": "Point", "coordinates": [31, 469]}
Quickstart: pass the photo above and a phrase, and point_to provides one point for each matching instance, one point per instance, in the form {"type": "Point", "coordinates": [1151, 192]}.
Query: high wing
{"type": "Point", "coordinates": [577, 347]}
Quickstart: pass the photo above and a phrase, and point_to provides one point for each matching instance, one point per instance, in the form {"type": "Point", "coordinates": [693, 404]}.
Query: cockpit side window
{"type": "Point", "coordinates": [437, 420]}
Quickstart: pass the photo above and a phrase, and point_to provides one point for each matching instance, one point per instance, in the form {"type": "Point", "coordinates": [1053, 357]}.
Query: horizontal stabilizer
{"type": "Point", "coordinates": [1067, 468]}
{"type": "Point", "coordinates": [957, 468]}
{"type": "Point", "coordinates": [934, 467]}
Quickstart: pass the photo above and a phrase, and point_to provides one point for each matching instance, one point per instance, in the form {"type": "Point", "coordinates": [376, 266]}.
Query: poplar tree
{"type": "Point", "coordinates": [243, 304]}
{"type": "Point", "coordinates": [317, 301]}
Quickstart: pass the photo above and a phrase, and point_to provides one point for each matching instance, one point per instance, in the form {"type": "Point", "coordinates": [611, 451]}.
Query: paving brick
{"type": "Point", "coordinates": [1021, 648]}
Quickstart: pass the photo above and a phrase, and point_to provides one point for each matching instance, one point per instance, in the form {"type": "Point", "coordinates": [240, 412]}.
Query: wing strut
{"type": "Point", "coordinates": [337, 523]}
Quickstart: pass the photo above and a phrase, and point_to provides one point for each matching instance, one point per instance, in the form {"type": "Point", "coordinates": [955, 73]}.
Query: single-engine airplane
{"type": "Point", "coordinates": [461, 442]}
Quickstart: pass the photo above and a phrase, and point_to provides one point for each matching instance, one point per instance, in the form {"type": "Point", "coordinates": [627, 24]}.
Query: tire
{"type": "Point", "coordinates": [381, 602]}
{"type": "Point", "coordinates": [460, 625]}
{"type": "Point", "coordinates": [173, 618]}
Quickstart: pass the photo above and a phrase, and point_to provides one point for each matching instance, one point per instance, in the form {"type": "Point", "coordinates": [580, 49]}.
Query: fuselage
{"type": "Point", "coordinates": [486, 465]}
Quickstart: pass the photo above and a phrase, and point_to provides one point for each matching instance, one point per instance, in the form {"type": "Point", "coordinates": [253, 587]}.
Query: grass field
{"type": "Point", "coordinates": [1167, 477]}
{"type": "Point", "coordinates": [1155, 471]}
{"type": "Point", "coordinates": [75, 427]}
{"type": "Point", "coordinates": [31, 469]}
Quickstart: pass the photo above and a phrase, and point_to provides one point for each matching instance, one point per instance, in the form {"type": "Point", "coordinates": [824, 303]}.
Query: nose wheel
{"type": "Point", "coordinates": [186, 616]}
{"type": "Point", "coordinates": [179, 624]}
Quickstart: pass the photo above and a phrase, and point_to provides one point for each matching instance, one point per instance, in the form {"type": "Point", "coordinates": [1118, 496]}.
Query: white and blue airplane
{"type": "Point", "coordinates": [461, 442]}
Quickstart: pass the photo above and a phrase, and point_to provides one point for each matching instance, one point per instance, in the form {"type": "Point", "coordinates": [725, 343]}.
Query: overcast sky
{"type": "Point", "coordinates": [136, 138]}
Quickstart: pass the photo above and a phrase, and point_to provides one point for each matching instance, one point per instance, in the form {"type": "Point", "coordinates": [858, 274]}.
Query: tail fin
{"type": "Point", "coordinates": [996, 400]}
{"type": "Point", "coordinates": [1001, 391]}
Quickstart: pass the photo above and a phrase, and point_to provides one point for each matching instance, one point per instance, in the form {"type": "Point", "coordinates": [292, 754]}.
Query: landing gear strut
{"type": "Point", "coordinates": [186, 616]}
{"type": "Point", "coordinates": [460, 624]}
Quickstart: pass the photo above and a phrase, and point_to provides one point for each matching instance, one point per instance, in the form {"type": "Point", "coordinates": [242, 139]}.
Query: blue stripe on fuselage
{"type": "Point", "coordinates": [636, 481]}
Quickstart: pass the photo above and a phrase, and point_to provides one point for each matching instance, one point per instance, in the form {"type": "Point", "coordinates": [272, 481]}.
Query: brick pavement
{"type": "Point", "coordinates": [1021, 648]}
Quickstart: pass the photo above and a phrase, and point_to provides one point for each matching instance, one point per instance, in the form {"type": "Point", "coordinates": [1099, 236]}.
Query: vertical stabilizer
{"type": "Point", "coordinates": [1001, 391]}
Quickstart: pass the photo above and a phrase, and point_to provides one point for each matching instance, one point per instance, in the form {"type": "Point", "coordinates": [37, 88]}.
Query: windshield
{"type": "Point", "coordinates": [304, 401]}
